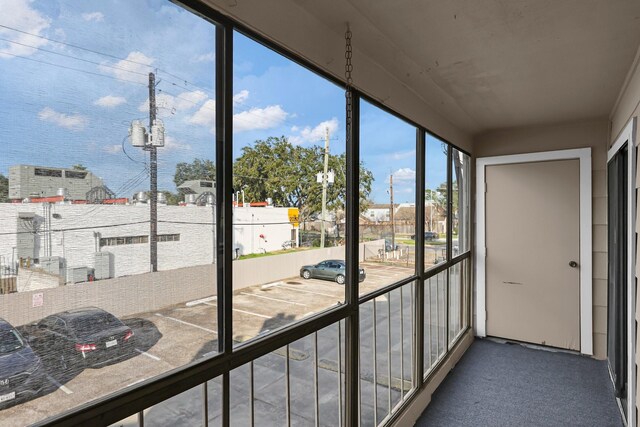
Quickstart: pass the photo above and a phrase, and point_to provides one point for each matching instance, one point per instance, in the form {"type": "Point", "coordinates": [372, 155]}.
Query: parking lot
{"type": "Point", "coordinates": [177, 335]}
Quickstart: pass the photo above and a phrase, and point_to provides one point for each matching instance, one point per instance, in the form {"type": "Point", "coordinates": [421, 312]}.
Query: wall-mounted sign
{"type": "Point", "coordinates": [37, 300]}
{"type": "Point", "coordinates": [294, 216]}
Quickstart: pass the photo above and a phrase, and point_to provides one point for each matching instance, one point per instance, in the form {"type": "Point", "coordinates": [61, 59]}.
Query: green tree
{"type": "Point", "coordinates": [79, 167]}
{"type": "Point", "coordinates": [198, 169]}
{"type": "Point", "coordinates": [172, 198]}
{"type": "Point", "coordinates": [276, 169]}
{"type": "Point", "coordinates": [4, 189]}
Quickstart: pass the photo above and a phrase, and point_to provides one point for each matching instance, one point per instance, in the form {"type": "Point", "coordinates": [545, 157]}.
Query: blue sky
{"type": "Point", "coordinates": [76, 76]}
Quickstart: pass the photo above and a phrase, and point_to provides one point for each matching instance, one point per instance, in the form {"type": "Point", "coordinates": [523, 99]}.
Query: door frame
{"type": "Point", "coordinates": [628, 137]}
{"type": "Point", "coordinates": [586, 263]}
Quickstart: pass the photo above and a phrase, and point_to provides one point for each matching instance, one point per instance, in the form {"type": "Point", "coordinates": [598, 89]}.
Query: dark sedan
{"type": "Point", "coordinates": [21, 373]}
{"type": "Point", "coordinates": [333, 269]}
{"type": "Point", "coordinates": [428, 235]}
{"type": "Point", "coordinates": [86, 337]}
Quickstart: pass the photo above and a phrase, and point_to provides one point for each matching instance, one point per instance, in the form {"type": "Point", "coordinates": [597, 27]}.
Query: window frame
{"type": "Point", "coordinates": [123, 403]}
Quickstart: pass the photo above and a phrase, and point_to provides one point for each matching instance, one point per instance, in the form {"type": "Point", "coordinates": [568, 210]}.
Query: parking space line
{"type": "Point", "coordinates": [251, 313]}
{"type": "Point", "coordinates": [200, 301]}
{"type": "Point", "coordinates": [245, 312]}
{"type": "Point", "coordinates": [150, 356]}
{"type": "Point", "coordinates": [378, 275]}
{"type": "Point", "coordinates": [273, 299]}
{"type": "Point", "coordinates": [57, 384]}
{"type": "Point", "coordinates": [187, 323]}
{"type": "Point", "coordinates": [308, 292]}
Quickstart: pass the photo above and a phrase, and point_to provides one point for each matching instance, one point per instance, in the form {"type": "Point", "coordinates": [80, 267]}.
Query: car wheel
{"type": "Point", "coordinates": [306, 274]}
{"type": "Point", "coordinates": [340, 279]}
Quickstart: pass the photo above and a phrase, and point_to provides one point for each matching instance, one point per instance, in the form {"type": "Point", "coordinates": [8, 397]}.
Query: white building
{"type": "Point", "coordinates": [75, 232]}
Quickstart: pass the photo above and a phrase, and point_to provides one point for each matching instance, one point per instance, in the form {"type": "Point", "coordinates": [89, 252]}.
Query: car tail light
{"type": "Point", "coordinates": [85, 347]}
{"type": "Point", "coordinates": [128, 335]}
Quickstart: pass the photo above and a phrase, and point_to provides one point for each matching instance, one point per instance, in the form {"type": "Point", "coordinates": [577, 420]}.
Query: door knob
{"type": "Point", "coordinates": [573, 264]}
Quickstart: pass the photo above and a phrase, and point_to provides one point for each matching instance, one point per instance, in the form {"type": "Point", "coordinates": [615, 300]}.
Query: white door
{"type": "Point", "coordinates": [532, 215]}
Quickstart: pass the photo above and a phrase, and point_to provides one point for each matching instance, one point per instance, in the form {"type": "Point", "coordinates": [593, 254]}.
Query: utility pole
{"type": "Point", "coordinates": [393, 228]}
{"type": "Point", "coordinates": [153, 163]}
{"type": "Point", "coordinates": [324, 185]}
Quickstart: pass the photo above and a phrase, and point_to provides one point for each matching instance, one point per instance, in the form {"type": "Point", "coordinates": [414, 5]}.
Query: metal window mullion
{"type": "Point", "coordinates": [205, 407]}
{"type": "Point", "coordinates": [224, 227]}
{"type": "Point", "coordinates": [389, 351]}
{"type": "Point", "coordinates": [428, 284]}
{"type": "Point", "coordinates": [401, 343]}
{"type": "Point", "coordinates": [352, 321]}
{"type": "Point", "coordinates": [449, 203]}
{"type": "Point", "coordinates": [438, 316]}
{"type": "Point", "coordinates": [316, 379]}
{"type": "Point", "coordinates": [224, 176]}
{"type": "Point", "coordinates": [141, 419]}
{"type": "Point", "coordinates": [414, 331]}
{"type": "Point", "coordinates": [340, 420]}
{"type": "Point", "coordinates": [447, 309]}
{"type": "Point", "coordinates": [251, 394]}
{"type": "Point", "coordinates": [288, 386]}
{"type": "Point", "coordinates": [418, 357]}
{"type": "Point", "coordinates": [449, 239]}
{"type": "Point", "coordinates": [375, 365]}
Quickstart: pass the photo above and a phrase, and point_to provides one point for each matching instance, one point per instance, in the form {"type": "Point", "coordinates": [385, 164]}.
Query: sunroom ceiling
{"type": "Point", "coordinates": [488, 64]}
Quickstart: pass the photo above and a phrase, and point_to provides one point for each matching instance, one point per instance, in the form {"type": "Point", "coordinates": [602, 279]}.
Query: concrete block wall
{"type": "Point", "coordinates": [126, 296]}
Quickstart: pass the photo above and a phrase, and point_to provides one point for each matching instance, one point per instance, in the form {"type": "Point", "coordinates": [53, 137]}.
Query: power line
{"type": "Point", "coordinates": [130, 158]}
{"type": "Point", "coordinates": [58, 230]}
{"type": "Point", "coordinates": [72, 69]}
{"type": "Point", "coordinates": [92, 51]}
{"type": "Point", "coordinates": [75, 46]}
{"type": "Point", "coordinates": [73, 57]}
{"type": "Point", "coordinates": [92, 227]}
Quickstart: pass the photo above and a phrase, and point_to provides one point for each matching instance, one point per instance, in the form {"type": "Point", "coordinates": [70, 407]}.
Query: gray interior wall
{"type": "Point", "coordinates": [594, 134]}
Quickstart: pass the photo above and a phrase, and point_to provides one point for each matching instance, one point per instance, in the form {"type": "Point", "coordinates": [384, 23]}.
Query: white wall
{"type": "Point", "coordinates": [77, 231]}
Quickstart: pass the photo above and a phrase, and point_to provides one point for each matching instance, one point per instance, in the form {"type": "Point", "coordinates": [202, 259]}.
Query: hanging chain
{"type": "Point", "coordinates": [348, 68]}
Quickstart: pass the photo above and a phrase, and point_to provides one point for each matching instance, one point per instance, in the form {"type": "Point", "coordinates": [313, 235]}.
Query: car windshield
{"type": "Point", "coordinates": [90, 324]}
{"type": "Point", "coordinates": [10, 341]}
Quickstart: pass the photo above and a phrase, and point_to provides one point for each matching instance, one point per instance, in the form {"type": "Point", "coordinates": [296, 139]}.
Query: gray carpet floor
{"type": "Point", "coordinates": [510, 385]}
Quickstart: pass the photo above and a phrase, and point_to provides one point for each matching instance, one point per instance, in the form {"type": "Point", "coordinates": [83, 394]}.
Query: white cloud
{"type": "Point", "coordinates": [19, 14]}
{"type": "Point", "coordinates": [170, 144]}
{"type": "Point", "coordinates": [259, 118]}
{"type": "Point", "coordinates": [93, 16]}
{"type": "Point", "coordinates": [72, 122]}
{"type": "Point", "coordinates": [399, 155]}
{"type": "Point", "coordinates": [206, 115]}
{"type": "Point", "coordinates": [136, 66]}
{"type": "Point", "coordinates": [172, 104]}
{"type": "Point", "coordinates": [112, 149]}
{"type": "Point", "coordinates": [205, 57]}
{"type": "Point", "coordinates": [315, 134]}
{"type": "Point", "coordinates": [252, 119]}
{"type": "Point", "coordinates": [110, 101]}
{"type": "Point", "coordinates": [404, 175]}
{"type": "Point", "coordinates": [240, 97]}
